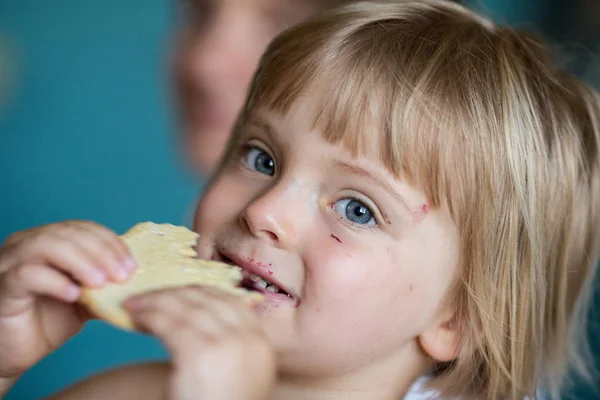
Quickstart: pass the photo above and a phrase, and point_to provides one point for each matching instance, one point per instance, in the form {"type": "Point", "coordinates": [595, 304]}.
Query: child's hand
{"type": "Point", "coordinates": [40, 273]}
{"type": "Point", "coordinates": [218, 347]}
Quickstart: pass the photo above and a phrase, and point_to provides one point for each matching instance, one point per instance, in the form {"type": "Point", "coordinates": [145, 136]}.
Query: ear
{"type": "Point", "coordinates": [441, 340]}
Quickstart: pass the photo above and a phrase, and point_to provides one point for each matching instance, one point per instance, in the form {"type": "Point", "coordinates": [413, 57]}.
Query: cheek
{"type": "Point", "coordinates": [375, 287]}
{"type": "Point", "coordinates": [223, 201]}
{"type": "Point", "coordinates": [432, 260]}
{"type": "Point", "coordinates": [357, 287]}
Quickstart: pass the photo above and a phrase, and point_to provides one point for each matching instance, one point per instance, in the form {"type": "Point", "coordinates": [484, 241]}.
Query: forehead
{"type": "Point", "coordinates": [358, 137]}
{"type": "Point", "coordinates": [345, 111]}
{"type": "Point", "coordinates": [344, 93]}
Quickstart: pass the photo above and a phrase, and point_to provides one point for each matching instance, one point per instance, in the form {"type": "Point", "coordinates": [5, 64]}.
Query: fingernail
{"type": "Point", "coordinates": [129, 264]}
{"type": "Point", "coordinates": [97, 277]}
{"type": "Point", "coordinates": [121, 273]}
{"type": "Point", "coordinates": [73, 292]}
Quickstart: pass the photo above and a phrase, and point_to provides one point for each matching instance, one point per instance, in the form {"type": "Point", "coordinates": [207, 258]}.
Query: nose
{"type": "Point", "coordinates": [279, 215]}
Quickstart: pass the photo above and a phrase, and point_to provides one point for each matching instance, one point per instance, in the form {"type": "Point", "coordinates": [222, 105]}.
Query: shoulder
{"type": "Point", "coordinates": [147, 381]}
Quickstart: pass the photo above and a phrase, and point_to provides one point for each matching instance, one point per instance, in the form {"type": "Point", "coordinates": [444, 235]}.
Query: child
{"type": "Point", "coordinates": [417, 190]}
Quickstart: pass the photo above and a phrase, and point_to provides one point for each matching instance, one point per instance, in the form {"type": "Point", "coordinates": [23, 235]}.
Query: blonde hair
{"type": "Point", "coordinates": [483, 121]}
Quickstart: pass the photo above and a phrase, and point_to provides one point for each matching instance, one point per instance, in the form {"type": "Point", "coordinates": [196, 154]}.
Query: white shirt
{"type": "Point", "coordinates": [418, 392]}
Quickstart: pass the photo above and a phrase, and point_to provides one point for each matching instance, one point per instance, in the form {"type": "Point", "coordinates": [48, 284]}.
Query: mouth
{"type": "Point", "coordinates": [254, 279]}
{"type": "Point", "coordinates": [257, 283]}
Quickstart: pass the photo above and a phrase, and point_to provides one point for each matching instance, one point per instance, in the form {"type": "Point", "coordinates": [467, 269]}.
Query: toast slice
{"type": "Point", "coordinates": [165, 258]}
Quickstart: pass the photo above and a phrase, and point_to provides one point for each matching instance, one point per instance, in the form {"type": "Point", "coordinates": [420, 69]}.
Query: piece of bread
{"type": "Point", "coordinates": [165, 257]}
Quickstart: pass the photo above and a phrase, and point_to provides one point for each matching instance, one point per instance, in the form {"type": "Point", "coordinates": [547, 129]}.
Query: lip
{"type": "Point", "coordinates": [254, 268]}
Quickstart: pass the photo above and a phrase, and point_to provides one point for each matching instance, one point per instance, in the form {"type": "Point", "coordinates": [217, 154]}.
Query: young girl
{"type": "Point", "coordinates": [417, 189]}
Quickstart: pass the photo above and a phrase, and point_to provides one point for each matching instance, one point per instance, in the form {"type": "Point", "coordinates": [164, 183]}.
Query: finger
{"type": "Point", "coordinates": [97, 250]}
{"type": "Point", "coordinates": [114, 241]}
{"type": "Point", "coordinates": [175, 334]}
{"type": "Point", "coordinates": [230, 309]}
{"type": "Point", "coordinates": [69, 257]}
{"type": "Point", "coordinates": [154, 321]}
{"type": "Point", "coordinates": [201, 316]}
{"type": "Point", "coordinates": [173, 330]}
{"type": "Point", "coordinates": [21, 284]}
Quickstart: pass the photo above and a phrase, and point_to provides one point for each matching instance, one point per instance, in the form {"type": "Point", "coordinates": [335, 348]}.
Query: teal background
{"type": "Point", "coordinates": [86, 131]}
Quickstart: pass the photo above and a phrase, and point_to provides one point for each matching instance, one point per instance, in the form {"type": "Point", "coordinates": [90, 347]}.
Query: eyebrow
{"type": "Point", "coordinates": [266, 128]}
{"type": "Point", "coordinates": [354, 170]}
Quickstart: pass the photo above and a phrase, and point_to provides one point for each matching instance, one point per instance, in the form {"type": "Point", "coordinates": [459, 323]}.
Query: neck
{"type": "Point", "coordinates": [388, 379]}
{"type": "Point", "coordinates": [293, 392]}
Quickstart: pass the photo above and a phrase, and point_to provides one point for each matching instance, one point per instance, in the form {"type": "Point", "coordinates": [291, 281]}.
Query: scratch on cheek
{"type": "Point", "coordinates": [336, 238]}
{"type": "Point", "coordinates": [387, 219]}
{"type": "Point", "coordinates": [420, 214]}
{"type": "Point", "coordinates": [410, 287]}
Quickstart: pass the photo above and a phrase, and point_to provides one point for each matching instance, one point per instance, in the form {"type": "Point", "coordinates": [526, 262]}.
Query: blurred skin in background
{"type": "Point", "coordinates": [217, 54]}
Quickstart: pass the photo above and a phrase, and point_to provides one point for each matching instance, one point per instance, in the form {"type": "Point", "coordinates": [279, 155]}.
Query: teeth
{"type": "Point", "coordinates": [272, 288]}
{"type": "Point", "coordinates": [259, 281]}
{"type": "Point", "coordinates": [262, 284]}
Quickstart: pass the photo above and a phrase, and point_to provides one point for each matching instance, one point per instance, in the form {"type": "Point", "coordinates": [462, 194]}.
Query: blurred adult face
{"type": "Point", "coordinates": [218, 51]}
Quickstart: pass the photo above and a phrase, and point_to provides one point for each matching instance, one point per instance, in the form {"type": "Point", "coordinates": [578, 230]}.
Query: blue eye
{"type": "Point", "coordinates": [260, 161]}
{"type": "Point", "coordinates": [354, 211]}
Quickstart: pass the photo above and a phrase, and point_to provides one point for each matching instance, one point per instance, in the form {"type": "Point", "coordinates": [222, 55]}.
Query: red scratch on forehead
{"type": "Point", "coordinates": [420, 214]}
